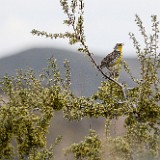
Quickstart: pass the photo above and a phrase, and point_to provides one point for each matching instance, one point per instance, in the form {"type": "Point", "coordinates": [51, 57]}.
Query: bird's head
{"type": "Point", "coordinates": [119, 47]}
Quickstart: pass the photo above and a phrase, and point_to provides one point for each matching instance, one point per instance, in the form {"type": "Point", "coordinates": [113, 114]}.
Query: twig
{"type": "Point", "coordinates": [86, 50]}
{"type": "Point", "coordinates": [100, 70]}
{"type": "Point", "coordinates": [79, 34]}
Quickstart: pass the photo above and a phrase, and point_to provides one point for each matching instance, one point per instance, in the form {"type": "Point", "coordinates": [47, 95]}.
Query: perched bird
{"type": "Point", "coordinates": [112, 59]}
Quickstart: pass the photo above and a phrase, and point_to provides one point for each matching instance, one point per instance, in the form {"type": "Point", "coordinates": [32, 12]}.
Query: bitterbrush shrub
{"type": "Point", "coordinates": [25, 115]}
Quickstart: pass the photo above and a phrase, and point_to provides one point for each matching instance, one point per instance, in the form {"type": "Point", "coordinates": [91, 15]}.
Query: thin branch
{"type": "Point", "coordinates": [78, 30]}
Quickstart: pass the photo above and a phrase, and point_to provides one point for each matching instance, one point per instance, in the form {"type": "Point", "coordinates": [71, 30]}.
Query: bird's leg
{"type": "Point", "coordinates": [116, 72]}
{"type": "Point", "coordinates": [111, 73]}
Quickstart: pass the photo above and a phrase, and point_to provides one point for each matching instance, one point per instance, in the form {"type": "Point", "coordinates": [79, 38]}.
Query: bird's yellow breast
{"type": "Point", "coordinates": [118, 60]}
{"type": "Point", "coordinates": [120, 57]}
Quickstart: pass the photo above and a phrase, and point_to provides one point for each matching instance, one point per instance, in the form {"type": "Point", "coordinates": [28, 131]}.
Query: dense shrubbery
{"type": "Point", "coordinates": [31, 100]}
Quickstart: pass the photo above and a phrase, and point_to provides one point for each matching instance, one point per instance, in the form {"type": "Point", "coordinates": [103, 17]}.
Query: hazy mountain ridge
{"type": "Point", "coordinates": [85, 77]}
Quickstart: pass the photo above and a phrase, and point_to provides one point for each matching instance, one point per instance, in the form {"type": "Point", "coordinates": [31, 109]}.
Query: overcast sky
{"type": "Point", "coordinates": [106, 23]}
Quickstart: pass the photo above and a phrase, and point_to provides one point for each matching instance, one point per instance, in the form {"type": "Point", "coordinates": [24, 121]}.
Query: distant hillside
{"type": "Point", "coordinates": [85, 77]}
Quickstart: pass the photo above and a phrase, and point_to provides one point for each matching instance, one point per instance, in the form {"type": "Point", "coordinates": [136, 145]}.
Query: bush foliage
{"type": "Point", "coordinates": [31, 101]}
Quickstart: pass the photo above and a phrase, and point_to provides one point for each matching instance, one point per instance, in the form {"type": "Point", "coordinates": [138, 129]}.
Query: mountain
{"type": "Point", "coordinates": [85, 78]}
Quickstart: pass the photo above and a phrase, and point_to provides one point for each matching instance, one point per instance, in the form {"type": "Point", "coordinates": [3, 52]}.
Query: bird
{"type": "Point", "coordinates": [112, 59]}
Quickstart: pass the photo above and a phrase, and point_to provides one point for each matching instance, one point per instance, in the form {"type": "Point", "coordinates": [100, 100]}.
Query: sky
{"type": "Point", "coordinates": [106, 23]}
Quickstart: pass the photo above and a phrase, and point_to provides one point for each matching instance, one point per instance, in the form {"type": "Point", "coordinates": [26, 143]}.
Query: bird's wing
{"type": "Point", "coordinates": [110, 59]}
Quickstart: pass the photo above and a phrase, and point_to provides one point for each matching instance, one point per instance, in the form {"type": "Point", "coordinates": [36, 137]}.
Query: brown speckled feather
{"type": "Point", "coordinates": [110, 59]}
